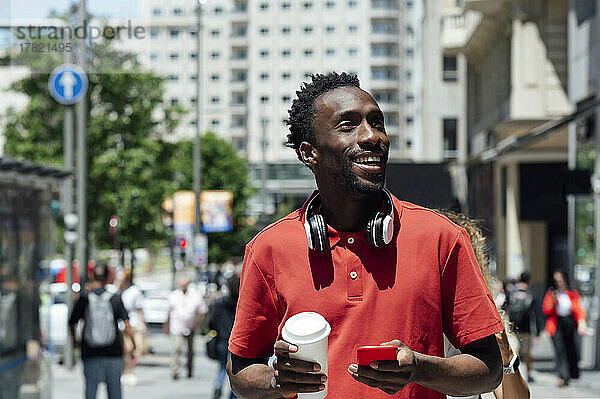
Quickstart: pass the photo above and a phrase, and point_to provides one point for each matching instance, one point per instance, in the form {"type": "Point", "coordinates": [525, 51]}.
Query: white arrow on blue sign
{"type": "Point", "coordinates": [68, 84]}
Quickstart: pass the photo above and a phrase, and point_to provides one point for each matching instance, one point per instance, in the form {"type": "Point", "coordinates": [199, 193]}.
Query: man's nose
{"type": "Point", "coordinates": [368, 135]}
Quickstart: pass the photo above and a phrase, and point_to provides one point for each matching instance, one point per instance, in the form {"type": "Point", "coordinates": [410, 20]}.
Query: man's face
{"type": "Point", "coordinates": [351, 146]}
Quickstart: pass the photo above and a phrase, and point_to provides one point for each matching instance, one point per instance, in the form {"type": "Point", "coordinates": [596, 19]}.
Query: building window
{"type": "Point", "coordinates": [193, 77]}
{"type": "Point", "coordinates": [286, 52]}
{"type": "Point", "coordinates": [174, 56]}
{"type": "Point", "coordinates": [286, 30]}
{"type": "Point", "coordinates": [154, 33]}
{"type": "Point", "coordinates": [392, 120]}
{"type": "Point", "coordinates": [156, 12]}
{"type": "Point", "coordinates": [394, 142]}
{"type": "Point", "coordinates": [450, 71]}
{"type": "Point", "coordinates": [386, 96]}
{"type": "Point", "coordinates": [215, 77]}
{"type": "Point", "coordinates": [174, 33]}
{"type": "Point", "coordinates": [193, 100]}
{"type": "Point", "coordinates": [215, 100]}
{"type": "Point", "coordinates": [410, 98]}
{"type": "Point", "coordinates": [215, 123]}
{"type": "Point", "coordinates": [330, 29]}
{"type": "Point", "coordinates": [286, 5]}
{"type": "Point", "coordinates": [330, 52]}
{"type": "Point", "coordinates": [264, 76]}
{"type": "Point", "coordinates": [352, 3]}
{"type": "Point", "coordinates": [263, 6]}
{"type": "Point", "coordinates": [329, 4]}
{"type": "Point", "coordinates": [239, 53]}
{"type": "Point", "coordinates": [307, 75]}
{"type": "Point", "coordinates": [238, 99]}
{"type": "Point", "coordinates": [352, 51]}
{"type": "Point", "coordinates": [352, 28]}
{"type": "Point", "coordinates": [286, 99]}
{"type": "Point", "coordinates": [177, 11]}
{"type": "Point", "coordinates": [214, 55]}
{"type": "Point", "coordinates": [264, 53]}
{"type": "Point", "coordinates": [384, 74]}
{"type": "Point", "coordinates": [410, 52]}
{"type": "Point", "coordinates": [410, 121]}
{"type": "Point", "coordinates": [409, 75]}
{"type": "Point", "coordinates": [384, 50]}
{"type": "Point", "coordinates": [286, 76]}
{"type": "Point", "coordinates": [174, 101]}
{"type": "Point", "coordinates": [409, 30]}
{"type": "Point", "coordinates": [307, 5]}
{"type": "Point", "coordinates": [408, 143]}
{"type": "Point", "coordinates": [238, 121]}
{"type": "Point", "coordinates": [264, 99]}
{"type": "Point", "coordinates": [385, 26]}
{"type": "Point", "coordinates": [173, 78]}
{"type": "Point", "coordinates": [308, 29]}
{"type": "Point", "coordinates": [238, 76]}
{"type": "Point", "coordinates": [264, 30]}
{"type": "Point", "coordinates": [215, 33]}
{"type": "Point", "coordinates": [193, 32]}
{"type": "Point", "coordinates": [153, 57]}
{"type": "Point", "coordinates": [239, 143]}
{"type": "Point", "coordinates": [193, 123]}
{"type": "Point", "coordinates": [308, 53]}
{"type": "Point", "coordinates": [218, 10]}
{"type": "Point", "coordinates": [450, 138]}
{"type": "Point", "coordinates": [409, 3]}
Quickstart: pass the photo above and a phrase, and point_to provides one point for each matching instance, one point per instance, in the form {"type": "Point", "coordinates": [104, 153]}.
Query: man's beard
{"type": "Point", "coordinates": [346, 180]}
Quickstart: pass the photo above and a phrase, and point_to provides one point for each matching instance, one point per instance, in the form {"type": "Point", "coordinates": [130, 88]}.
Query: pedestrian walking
{"type": "Point", "coordinates": [376, 268]}
{"type": "Point", "coordinates": [132, 298]}
{"type": "Point", "coordinates": [101, 349]}
{"type": "Point", "coordinates": [564, 317]}
{"type": "Point", "coordinates": [521, 312]}
{"type": "Point", "coordinates": [220, 319]}
{"type": "Point", "coordinates": [187, 309]}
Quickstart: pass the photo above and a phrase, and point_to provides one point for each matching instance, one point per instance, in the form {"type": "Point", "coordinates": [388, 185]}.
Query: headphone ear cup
{"type": "Point", "coordinates": [376, 235]}
{"type": "Point", "coordinates": [370, 232]}
{"type": "Point", "coordinates": [319, 235]}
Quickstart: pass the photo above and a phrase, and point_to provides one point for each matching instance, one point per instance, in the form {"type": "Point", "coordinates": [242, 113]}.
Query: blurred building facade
{"type": "Point", "coordinates": [254, 54]}
{"type": "Point", "coordinates": [531, 83]}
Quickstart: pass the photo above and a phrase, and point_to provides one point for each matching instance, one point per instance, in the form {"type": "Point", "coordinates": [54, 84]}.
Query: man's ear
{"type": "Point", "coordinates": [308, 154]}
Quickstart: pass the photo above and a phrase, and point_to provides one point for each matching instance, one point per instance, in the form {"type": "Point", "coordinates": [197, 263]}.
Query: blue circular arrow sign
{"type": "Point", "coordinates": [68, 84]}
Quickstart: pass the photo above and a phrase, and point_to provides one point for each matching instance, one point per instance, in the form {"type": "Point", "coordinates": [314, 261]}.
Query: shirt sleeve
{"type": "Point", "coordinates": [469, 312]}
{"type": "Point", "coordinates": [257, 318]}
{"type": "Point", "coordinates": [78, 309]}
{"type": "Point", "coordinates": [119, 309]}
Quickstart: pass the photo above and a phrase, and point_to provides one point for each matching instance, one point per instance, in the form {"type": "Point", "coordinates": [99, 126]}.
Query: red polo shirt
{"type": "Point", "coordinates": [424, 283]}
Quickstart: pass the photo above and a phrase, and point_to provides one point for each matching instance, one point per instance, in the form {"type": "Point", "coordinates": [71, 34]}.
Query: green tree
{"type": "Point", "coordinates": [221, 169]}
{"type": "Point", "coordinates": [131, 167]}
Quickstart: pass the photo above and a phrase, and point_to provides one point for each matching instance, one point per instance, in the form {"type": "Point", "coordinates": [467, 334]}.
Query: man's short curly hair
{"type": "Point", "coordinates": [302, 112]}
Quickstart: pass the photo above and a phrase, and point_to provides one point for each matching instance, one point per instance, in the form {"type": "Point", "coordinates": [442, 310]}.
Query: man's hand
{"type": "Point", "coordinates": [294, 376]}
{"type": "Point", "coordinates": [389, 376]}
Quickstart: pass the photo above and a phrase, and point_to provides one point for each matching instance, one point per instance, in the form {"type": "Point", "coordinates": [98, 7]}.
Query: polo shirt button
{"type": "Point", "coordinates": [353, 275]}
{"type": "Point", "coordinates": [350, 240]}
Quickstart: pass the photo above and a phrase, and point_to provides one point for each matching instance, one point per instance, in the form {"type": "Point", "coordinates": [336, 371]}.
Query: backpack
{"type": "Point", "coordinates": [519, 308]}
{"type": "Point", "coordinates": [100, 327]}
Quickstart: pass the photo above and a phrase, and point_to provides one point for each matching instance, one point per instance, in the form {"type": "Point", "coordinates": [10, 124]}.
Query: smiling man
{"type": "Point", "coordinates": [378, 269]}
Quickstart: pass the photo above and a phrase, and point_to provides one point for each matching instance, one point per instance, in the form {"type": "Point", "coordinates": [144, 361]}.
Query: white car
{"type": "Point", "coordinates": [54, 318]}
{"type": "Point", "coordinates": [155, 305]}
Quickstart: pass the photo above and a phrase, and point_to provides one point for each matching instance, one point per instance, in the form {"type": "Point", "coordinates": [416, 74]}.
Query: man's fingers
{"type": "Point", "coordinates": [299, 378]}
{"type": "Point", "coordinates": [286, 363]}
{"type": "Point", "coordinates": [389, 387]}
{"type": "Point", "coordinates": [300, 388]}
{"type": "Point", "coordinates": [283, 348]}
{"type": "Point", "coordinates": [395, 342]}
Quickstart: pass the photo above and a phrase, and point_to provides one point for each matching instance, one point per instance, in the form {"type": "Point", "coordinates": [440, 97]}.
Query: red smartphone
{"type": "Point", "coordinates": [373, 353]}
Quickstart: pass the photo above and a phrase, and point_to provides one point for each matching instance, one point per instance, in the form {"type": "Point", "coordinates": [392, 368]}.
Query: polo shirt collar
{"type": "Point", "coordinates": [336, 236]}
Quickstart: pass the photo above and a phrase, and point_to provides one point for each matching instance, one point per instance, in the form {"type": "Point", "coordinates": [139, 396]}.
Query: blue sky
{"type": "Point", "coordinates": [41, 8]}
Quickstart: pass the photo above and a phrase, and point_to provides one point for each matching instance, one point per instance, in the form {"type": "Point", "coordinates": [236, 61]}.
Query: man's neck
{"type": "Point", "coordinates": [349, 212]}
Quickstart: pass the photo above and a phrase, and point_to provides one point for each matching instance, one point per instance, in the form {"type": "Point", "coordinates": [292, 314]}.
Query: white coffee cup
{"type": "Point", "coordinates": [309, 331]}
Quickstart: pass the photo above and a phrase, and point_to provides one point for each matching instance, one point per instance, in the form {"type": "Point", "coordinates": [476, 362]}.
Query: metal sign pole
{"type": "Point", "coordinates": [82, 159]}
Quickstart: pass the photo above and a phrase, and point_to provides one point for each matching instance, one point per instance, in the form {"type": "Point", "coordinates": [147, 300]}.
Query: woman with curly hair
{"type": "Point", "coordinates": [513, 385]}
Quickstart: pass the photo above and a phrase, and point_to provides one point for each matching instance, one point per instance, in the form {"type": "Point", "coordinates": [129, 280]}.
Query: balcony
{"type": "Point", "coordinates": [487, 7]}
{"type": "Point", "coordinates": [457, 28]}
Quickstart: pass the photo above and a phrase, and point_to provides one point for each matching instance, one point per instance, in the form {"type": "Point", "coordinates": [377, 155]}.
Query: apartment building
{"type": "Point", "coordinates": [254, 55]}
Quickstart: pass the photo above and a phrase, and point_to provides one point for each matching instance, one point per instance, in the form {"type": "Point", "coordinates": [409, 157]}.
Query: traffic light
{"type": "Point", "coordinates": [182, 242]}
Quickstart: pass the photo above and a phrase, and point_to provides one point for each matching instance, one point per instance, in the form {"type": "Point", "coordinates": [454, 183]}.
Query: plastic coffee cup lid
{"type": "Point", "coordinates": [305, 328]}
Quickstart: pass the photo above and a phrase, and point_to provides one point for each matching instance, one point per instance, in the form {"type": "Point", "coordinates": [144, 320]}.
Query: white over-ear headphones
{"type": "Point", "coordinates": [380, 228]}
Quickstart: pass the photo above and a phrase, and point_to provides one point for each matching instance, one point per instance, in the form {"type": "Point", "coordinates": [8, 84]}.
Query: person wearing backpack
{"type": "Point", "coordinates": [101, 348]}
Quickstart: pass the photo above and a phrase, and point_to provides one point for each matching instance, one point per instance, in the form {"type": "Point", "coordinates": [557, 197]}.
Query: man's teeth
{"type": "Point", "coordinates": [368, 159]}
